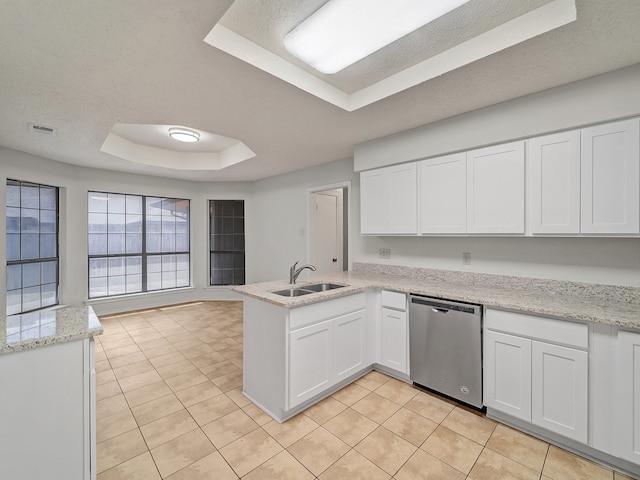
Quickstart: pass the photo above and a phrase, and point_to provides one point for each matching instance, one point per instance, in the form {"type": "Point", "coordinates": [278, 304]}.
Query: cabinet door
{"type": "Point", "coordinates": [393, 340]}
{"type": "Point", "coordinates": [310, 361]}
{"type": "Point", "coordinates": [628, 396]}
{"type": "Point", "coordinates": [403, 199]}
{"type": "Point", "coordinates": [495, 189]}
{"type": "Point", "coordinates": [553, 183]}
{"type": "Point", "coordinates": [44, 432]}
{"type": "Point", "coordinates": [507, 374]}
{"type": "Point", "coordinates": [443, 194]}
{"type": "Point", "coordinates": [388, 200]}
{"type": "Point", "coordinates": [610, 178]}
{"type": "Point", "coordinates": [374, 186]}
{"type": "Point", "coordinates": [349, 350]}
{"type": "Point", "coordinates": [560, 390]}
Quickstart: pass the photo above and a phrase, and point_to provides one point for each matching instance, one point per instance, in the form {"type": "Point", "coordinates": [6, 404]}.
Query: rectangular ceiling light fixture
{"type": "Point", "coordinates": [342, 32]}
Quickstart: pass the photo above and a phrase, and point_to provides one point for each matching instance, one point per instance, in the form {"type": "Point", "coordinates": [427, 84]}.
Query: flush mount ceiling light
{"type": "Point", "coordinates": [184, 135]}
{"type": "Point", "coordinates": [342, 32]}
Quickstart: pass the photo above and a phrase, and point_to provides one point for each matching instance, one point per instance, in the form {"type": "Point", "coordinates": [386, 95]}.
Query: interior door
{"type": "Point", "coordinates": [326, 248]}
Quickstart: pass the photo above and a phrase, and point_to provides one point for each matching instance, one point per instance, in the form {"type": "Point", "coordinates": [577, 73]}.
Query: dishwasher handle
{"type": "Point", "coordinates": [439, 310]}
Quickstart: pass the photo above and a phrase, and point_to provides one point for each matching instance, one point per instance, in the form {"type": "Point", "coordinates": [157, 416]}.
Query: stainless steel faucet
{"type": "Point", "coordinates": [293, 272]}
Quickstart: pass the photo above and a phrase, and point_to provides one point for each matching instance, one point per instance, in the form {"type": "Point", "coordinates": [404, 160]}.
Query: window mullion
{"type": "Point", "coordinates": [144, 243]}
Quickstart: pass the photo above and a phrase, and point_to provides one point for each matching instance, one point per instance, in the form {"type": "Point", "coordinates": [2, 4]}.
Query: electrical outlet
{"type": "Point", "coordinates": [466, 258]}
{"type": "Point", "coordinates": [385, 253]}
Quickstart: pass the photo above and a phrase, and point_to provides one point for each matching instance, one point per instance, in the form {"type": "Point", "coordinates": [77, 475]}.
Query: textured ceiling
{"type": "Point", "coordinates": [267, 23]}
{"type": "Point", "coordinates": [84, 67]}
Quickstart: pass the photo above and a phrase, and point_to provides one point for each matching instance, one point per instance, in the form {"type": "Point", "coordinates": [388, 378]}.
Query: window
{"type": "Point", "coordinates": [226, 242]}
{"type": "Point", "coordinates": [32, 246]}
{"type": "Point", "coordinates": [137, 244]}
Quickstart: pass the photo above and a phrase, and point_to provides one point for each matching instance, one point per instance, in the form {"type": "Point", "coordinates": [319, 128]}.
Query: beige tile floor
{"type": "Point", "coordinates": [170, 406]}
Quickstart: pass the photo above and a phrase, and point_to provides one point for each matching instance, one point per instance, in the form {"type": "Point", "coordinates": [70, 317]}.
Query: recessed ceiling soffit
{"type": "Point", "coordinates": [151, 145]}
{"type": "Point", "coordinates": [254, 32]}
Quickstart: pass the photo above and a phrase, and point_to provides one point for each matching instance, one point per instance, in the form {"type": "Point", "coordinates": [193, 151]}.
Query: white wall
{"type": "Point", "coordinates": [594, 260]}
{"type": "Point", "coordinates": [279, 213]}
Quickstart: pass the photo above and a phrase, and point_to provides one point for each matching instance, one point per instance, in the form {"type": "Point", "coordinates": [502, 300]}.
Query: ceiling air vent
{"type": "Point", "coordinates": [34, 128]}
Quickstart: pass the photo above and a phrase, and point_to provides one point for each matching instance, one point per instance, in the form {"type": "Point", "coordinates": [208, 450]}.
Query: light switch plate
{"type": "Point", "coordinates": [385, 253]}
{"type": "Point", "coordinates": [466, 258]}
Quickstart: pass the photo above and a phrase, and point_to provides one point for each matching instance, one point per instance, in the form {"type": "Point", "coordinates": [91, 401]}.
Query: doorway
{"type": "Point", "coordinates": [329, 214]}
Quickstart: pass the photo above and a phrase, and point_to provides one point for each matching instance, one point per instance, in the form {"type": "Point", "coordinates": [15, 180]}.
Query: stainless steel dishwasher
{"type": "Point", "coordinates": [445, 340]}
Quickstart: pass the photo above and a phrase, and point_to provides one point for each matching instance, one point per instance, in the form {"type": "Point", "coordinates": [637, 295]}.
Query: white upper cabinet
{"type": "Point", "coordinates": [495, 189]}
{"type": "Point", "coordinates": [611, 178]}
{"type": "Point", "coordinates": [580, 182]}
{"type": "Point", "coordinates": [553, 183]}
{"type": "Point", "coordinates": [373, 207]}
{"type": "Point", "coordinates": [443, 194]}
{"type": "Point", "coordinates": [389, 200]}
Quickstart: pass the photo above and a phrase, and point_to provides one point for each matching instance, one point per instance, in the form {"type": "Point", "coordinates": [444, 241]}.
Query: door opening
{"type": "Point", "coordinates": [328, 228]}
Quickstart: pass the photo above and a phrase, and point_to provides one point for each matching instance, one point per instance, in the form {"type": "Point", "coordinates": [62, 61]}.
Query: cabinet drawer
{"type": "Point", "coordinates": [562, 332]}
{"type": "Point", "coordinates": [334, 307]}
{"type": "Point", "coordinates": [395, 300]}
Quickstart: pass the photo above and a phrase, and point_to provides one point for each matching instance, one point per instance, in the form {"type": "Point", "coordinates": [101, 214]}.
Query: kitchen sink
{"type": "Point", "coordinates": [307, 289]}
{"type": "Point", "coordinates": [322, 287]}
{"type": "Point", "coordinates": [293, 292]}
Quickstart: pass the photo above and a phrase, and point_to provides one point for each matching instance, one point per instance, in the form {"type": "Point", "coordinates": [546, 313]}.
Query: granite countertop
{"type": "Point", "coordinates": [564, 300]}
{"type": "Point", "coordinates": [36, 329]}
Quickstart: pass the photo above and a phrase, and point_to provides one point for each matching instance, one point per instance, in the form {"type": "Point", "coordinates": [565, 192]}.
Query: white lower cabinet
{"type": "Point", "coordinates": [349, 350]}
{"type": "Point", "coordinates": [628, 396]}
{"type": "Point", "coordinates": [393, 340]}
{"type": "Point", "coordinates": [537, 381]}
{"type": "Point", "coordinates": [310, 362]}
{"type": "Point", "coordinates": [297, 355]}
{"type": "Point", "coordinates": [324, 353]}
{"type": "Point", "coordinates": [559, 390]}
{"type": "Point", "coordinates": [393, 330]}
{"type": "Point", "coordinates": [48, 402]}
{"type": "Point", "coordinates": [507, 370]}
{"type": "Point", "coordinates": [327, 344]}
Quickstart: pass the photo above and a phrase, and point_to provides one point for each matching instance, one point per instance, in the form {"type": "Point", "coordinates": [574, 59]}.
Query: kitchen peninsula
{"type": "Point", "coordinates": [300, 349]}
{"type": "Point", "coordinates": [47, 367]}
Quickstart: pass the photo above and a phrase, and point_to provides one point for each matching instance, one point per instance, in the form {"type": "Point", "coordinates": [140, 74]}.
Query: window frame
{"type": "Point", "coordinates": [232, 251]}
{"type": "Point", "coordinates": [144, 253]}
{"type": "Point", "coordinates": [36, 260]}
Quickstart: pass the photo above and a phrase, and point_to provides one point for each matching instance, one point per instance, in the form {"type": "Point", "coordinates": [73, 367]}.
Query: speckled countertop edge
{"type": "Point", "coordinates": [37, 329]}
{"type": "Point", "coordinates": [590, 309]}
